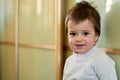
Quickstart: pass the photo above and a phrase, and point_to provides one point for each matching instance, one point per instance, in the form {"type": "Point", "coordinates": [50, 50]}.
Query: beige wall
{"type": "Point", "coordinates": [32, 25]}
{"type": "Point", "coordinates": [36, 27]}
{"type": "Point", "coordinates": [7, 33]}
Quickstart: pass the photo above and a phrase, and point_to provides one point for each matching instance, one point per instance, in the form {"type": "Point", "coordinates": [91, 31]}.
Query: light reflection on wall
{"type": "Point", "coordinates": [2, 17]}
{"type": "Point", "coordinates": [39, 6]}
{"type": "Point", "coordinates": [77, 1]}
{"type": "Point", "coordinates": [9, 12]}
{"type": "Point", "coordinates": [108, 5]}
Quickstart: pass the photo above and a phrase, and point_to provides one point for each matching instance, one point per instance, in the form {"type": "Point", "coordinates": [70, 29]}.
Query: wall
{"type": "Point", "coordinates": [111, 30]}
{"type": "Point", "coordinates": [27, 40]}
{"type": "Point", "coordinates": [36, 28]}
{"type": "Point", "coordinates": [7, 33]}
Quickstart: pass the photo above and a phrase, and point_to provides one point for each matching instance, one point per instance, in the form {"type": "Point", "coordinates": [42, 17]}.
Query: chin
{"type": "Point", "coordinates": [79, 52]}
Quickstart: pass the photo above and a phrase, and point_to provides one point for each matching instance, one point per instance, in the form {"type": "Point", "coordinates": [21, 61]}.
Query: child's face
{"type": "Point", "coordinates": [81, 36]}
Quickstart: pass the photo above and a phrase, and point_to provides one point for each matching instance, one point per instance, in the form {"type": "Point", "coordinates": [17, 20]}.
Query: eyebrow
{"type": "Point", "coordinates": [71, 31]}
{"type": "Point", "coordinates": [81, 30]}
{"type": "Point", "coordinates": [86, 30]}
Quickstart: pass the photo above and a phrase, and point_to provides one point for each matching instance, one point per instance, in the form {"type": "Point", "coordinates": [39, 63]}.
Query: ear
{"type": "Point", "coordinates": [96, 38]}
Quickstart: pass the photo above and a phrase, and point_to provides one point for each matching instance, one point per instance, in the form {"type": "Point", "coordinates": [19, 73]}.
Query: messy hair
{"type": "Point", "coordinates": [82, 11]}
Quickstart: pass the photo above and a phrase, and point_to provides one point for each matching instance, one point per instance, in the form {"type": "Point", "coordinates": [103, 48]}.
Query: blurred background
{"type": "Point", "coordinates": [33, 44]}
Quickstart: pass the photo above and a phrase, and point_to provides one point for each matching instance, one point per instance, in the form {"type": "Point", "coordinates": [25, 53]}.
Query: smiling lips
{"type": "Point", "coordinates": [79, 45]}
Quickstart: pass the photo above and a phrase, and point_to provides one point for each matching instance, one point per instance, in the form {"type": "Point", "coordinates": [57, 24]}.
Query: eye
{"type": "Point", "coordinates": [86, 33]}
{"type": "Point", "coordinates": [72, 34]}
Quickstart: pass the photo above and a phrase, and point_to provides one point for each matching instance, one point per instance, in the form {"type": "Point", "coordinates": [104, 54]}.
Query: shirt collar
{"type": "Point", "coordinates": [86, 55]}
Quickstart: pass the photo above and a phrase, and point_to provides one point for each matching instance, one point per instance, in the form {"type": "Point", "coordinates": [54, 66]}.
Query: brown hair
{"type": "Point", "coordinates": [82, 11]}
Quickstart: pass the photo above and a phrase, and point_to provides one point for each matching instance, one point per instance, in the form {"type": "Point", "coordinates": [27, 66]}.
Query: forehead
{"type": "Point", "coordinates": [85, 24]}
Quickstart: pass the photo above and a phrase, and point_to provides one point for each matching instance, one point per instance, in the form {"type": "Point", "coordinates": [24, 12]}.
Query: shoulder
{"type": "Point", "coordinates": [104, 66]}
{"type": "Point", "coordinates": [69, 59]}
{"type": "Point", "coordinates": [68, 62]}
{"type": "Point", "coordinates": [103, 58]}
{"type": "Point", "coordinates": [102, 61]}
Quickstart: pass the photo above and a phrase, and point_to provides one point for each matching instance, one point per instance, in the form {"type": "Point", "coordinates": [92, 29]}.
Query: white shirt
{"type": "Point", "coordinates": [93, 65]}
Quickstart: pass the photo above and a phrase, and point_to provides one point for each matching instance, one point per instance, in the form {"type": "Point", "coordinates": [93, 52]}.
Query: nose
{"type": "Point", "coordinates": [78, 38]}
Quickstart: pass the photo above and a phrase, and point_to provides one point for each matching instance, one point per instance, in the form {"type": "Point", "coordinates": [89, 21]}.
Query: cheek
{"type": "Point", "coordinates": [70, 41]}
{"type": "Point", "coordinates": [91, 41]}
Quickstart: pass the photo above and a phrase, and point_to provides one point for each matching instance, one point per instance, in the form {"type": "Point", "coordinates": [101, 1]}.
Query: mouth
{"type": "Point", "coordinates": [79, 45]}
